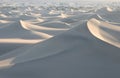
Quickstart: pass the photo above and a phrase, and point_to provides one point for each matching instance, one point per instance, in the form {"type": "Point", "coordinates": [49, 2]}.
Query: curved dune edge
{"type": "Point", "coordinates": [109, 9]}
{"type": "Point", "coordinates": [3, 15]}
{"type": "Point", "coordinates": [34, 29]}
{"type": "Point", "coordinates": [43, 35]}
{"type": "Point", "coordinates": [105, 31]}
{"type": "Point", "coordinates": [6, 63]}
{"type": "Point", "coordinates": [5, 21]}
{"type": "Point", "coordinates": [29, 26]}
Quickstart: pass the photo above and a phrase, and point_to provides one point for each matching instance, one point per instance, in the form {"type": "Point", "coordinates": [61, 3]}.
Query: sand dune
{"type": "Point", "coordinates": [5, 63]}
{"type": "Point", "coordinates": [62, 15]}
{"type": "Point", "coordinates": [47, 30]}
{"type": "Point", "coordinates": [4, 21]}
{"type": "Point", "coordinates": [21, 33]}
{"type": "Point", "coordinates": [48, 43]}
{"type": "Point", "coordinates": [104, 31]}
{"type": "Point", "coordinates": [65, 54]}
{"type": "Point", "coordinates": [3, 15]}
{"type": "Point", "coordinates": [110, 16]}
{"type": "Point", "coordinates": [30, 26]}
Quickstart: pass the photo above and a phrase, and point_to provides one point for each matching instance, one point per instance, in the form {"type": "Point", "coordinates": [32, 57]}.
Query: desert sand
{"type": "Point", "coordinates": [46, 43]}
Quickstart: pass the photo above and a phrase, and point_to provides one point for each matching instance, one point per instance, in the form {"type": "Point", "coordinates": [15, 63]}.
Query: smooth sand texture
{"type": "Point", "coordinates": [44, 43]}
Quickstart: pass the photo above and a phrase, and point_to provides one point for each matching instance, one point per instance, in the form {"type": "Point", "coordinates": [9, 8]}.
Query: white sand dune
{"type": "Point", "coordinates": [23, 33]}
{"type": "Point", "coordinates": [51, 44]}
{"type": "Point", "coordinates": [27, 30]}
{"type": "Point", "coordinates": [13, 36]}
{"type": "Point", "coordinates": [3, 15]}
{"type": "Point", "coordinates": [16, 30]}
{"type": "Point", "coordinates": [4, 21]}
{"type": "Point", "coordinates": [73, 50]}
{"type": "Point", "coordinates": [109, 15]}
{"type": "Point", "coordinates": [30, 26]}
{"type": "Point", "coordinates": [53, 12]}
{"type": "Point", "coordinates": [5, 63]}
{"type": "Point", "coordinates": [62, 15]}
{"type": "Point", "coordinates": [109, 9]}
{"type": "Point", "coordinates": [104, 31]}
{"type": "Point", "coordinates": [48, 30]}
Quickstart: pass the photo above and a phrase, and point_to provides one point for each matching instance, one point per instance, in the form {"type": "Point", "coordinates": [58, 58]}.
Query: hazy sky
{"type": "Point", "coordinates": [68, 1]}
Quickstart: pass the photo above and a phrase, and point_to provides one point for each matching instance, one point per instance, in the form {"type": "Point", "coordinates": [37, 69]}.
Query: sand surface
{"type": "Point", "coordinates": [36, 42]}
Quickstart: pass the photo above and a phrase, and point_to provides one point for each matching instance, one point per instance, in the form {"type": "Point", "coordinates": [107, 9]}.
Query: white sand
{"type": "Point", "coordinates": [51, 44]}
